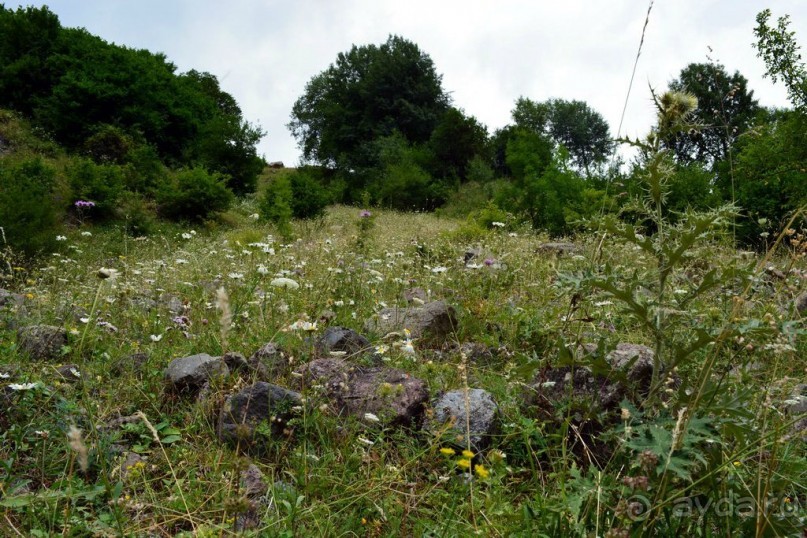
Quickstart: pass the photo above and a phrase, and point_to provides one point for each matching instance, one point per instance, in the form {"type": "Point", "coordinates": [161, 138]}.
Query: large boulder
{"type": "Point", "coordinates": [391, 395]}
{"type": "Point", "coordinates": [189, 375]}
{"type": "Point", "coordinates": [435, 321]}
{"type": "Point", "coordinates": [41, 342]}
{"type": "Point", "coordinates": [262, 402]}
{"type": "Point", "coordinates": [456, 418]}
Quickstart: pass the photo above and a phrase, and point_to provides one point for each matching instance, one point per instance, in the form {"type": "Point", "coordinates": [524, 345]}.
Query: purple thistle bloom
{"type": "Point", "coordinates": [365, 213]}
{"type": "Point", "coordinates": [84, 203]}
{"type": "Point", "coordinates": [489, 261]}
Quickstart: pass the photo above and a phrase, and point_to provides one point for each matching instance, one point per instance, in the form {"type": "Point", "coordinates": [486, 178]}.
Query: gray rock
{"type": "Point", "coordinates": [450, 417]}
{"type": "Point", "coordinates": [10, 300]}
{"type": "Point", "coordinates": [41, 342]}
{"type": "Point", "coordinates": [188, 375]}
{"type": "Point", "coordinates": [260, 403]}
{"type": "Point", "coordinates": [255, 490]}
{"type": "Point", "coordinates": [801, 304]}
{"type": "Point", "coordinates": [341, 339]}
{"type": "Point", "coordinates": [130, 459]}
{"type": "Point", "coordinates": [415, 295]}
{"type": "Point", "coordinates": [637, 360]}
{"type": "Point", "coordinates": [69, 373]}
{"type": "Point", "coordinates": [269, 362]}
{"type": "Point", "coordinates": [476, 353]}
{"type": "Point", "coordinates": [435, 321]}
{"type": "Point", "coordinates": [392, 395]}
{"type": "Point", "coordinates": [470, 254]}
{"type": "Point", "coordinates": [559, 249]}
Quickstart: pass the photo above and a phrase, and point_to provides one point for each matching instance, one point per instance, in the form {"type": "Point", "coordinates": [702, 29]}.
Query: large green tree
{"type": "Point", "coordinates": [370, 92]}
{"type": "Point", "coordinates": [726, 109]}
{"type": "Point", "coordinates": [579, 128]}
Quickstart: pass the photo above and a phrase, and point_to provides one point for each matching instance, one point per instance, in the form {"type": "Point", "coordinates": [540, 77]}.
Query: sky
{"type": "Point", "coordinates": [489, 53]}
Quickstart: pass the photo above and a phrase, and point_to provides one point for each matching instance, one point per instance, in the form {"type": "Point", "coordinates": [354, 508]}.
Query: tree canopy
{"type": "Point", "coordinates": [369, 92]}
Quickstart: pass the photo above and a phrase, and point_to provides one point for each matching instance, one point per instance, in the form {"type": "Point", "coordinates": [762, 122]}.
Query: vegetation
{"type": "Point", "coordinates": [139, 234]}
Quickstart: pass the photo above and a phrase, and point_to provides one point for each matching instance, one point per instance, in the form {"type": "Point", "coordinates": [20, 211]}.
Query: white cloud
{"type": "Point", "coordinates": [489, 53]}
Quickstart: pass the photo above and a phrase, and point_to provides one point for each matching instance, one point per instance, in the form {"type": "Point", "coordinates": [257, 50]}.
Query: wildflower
{"type": "Point", "coordinates": [156, 337]}
{"type": "Point", "coordinates": [301, 325]}
{"type": "Point", "coordinates": [182, 321]}
{"type": "Point", "coordinates": [104, 273]}
{"type": "Point", "coordinates": [77, 443]}
{"type": "Point", "coordinates": [365, 441]}
{"type": "Point", "coordinates": [254, 216]}
{"type": "Point", "coordinates": [236, 276]}
{"type": "Point", "coordinates": [489, 261]}
{"type": "Point", "coordinates": [513, 234]}
{"type": "Point", "coordinates": [22, 386]}
{"type": "Point", "coordinates": [61, 238]}
{"type": "Point", "coordinates": [365, 214]}
{"type": "Point", "coordinates": [371, 417]}
{"type": "Point", "coordinates": [497, 224]}
{"type": "Point", "coordinates": [186, 235]}
{"type": "Point", "coordinates": [381, 349]}
{"type": "Point", "coordinates": [86, 234]}
{"type": "Point", "coordinates": [84, 203]}
{"type": "Point", "coordinates": [464, 463]}
{"type": "Point", "coordinates": [481, 472]}
{"type": "Point", "coordinates": [262, 270]}
{"type": "Point", "coordinates": [439, 269]}
{"type": "Point", "coordinates": [284, 282]}
{"type": "Point", "coordinates": [448, 451]}
{"type": "Point", "coordinates": [4, 375]}
{"type": "Point", "coordinates": [181, 261]}
{"type": "Point", "coordinates": [468, 454]}
{"type": "Point", "coordinates": [108, 326]}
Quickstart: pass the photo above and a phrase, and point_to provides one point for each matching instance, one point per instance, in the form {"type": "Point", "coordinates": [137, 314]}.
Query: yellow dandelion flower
{"type": "Point", "coordinates": [447, 451]}
{"type": "Point", "coordinates": [481, 472]}
{"type": "Point", "coordinates": [464, 463]}
{"type": "Point", "coordinates": [468, 454]}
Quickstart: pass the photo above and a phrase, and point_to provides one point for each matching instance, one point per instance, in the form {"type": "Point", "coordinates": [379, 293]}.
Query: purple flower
{"type": "Point", "coordinates": [182, 321]}
{"type": "Point", "coordinates": [489, 261]}
{"type": "Point", "coordinates": [365, 214]}
{"type": "Point", "coordinates": [84, 203]}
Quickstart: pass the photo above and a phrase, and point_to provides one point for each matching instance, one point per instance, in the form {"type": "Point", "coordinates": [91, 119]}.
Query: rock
{"type": "Point", "coordinates": [801, 304]}
{"type": "Point", "coordinates": [435, 321]}
{"type": "Point", "coordinates": [133, 363]}
{"type": "Point", "coordinates": [559, 249]}
{"type": "Point", "coordinates": [41, 342]}
{"type": "Point", "coordinates": [470, 254]}
{"type": "Point", "coordinates": [326, 316]}
{"type": "Point", "coordinates": [10, 300]}
{"type": "Point", "coordinates": [476, 352]}
{"type": "Point", "coordinates": [415, 296]}
{"type": "Point", "coordinates": [130, 459]}
{"type": "Point", "coordinates": [269, 362]}
{"type": "Point", "coordinates": [341, 339]}
{"type": "Point", "coordinates": [640, 359]}
{"type": "Point", "coordinates": [259, 403]}
{"type": "Point", "coordinates": [450, 417]}
{"type": "Point", "coordinates": [276, 164]}
{"type": "Point", "coordinates": [188, 375]}
{"type": "Point", "coordinates": [173, 304]}
{"type": "Point", "coordinates": [255, 490]}
{"type": "Point", "coordinates": [392, 395]}
{"type": "Point", "coordinates": [797, 405]}
{"type": "Point", "coordinates": [69, 373]}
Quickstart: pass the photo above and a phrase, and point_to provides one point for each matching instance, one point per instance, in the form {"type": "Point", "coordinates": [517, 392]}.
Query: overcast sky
{"type": "Point", "coordinates": [489, 52]}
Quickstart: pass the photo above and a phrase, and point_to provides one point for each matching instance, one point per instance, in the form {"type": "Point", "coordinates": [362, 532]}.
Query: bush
{"type": "Point", "coordinates": [275, 204]}
{"type": "Point", "coordinates": [309, 198]}
{"type": "Point", "coordinates": [137, 214]}
{"type": "Point", "coordinates": [194, 194]}
{"type": "Point", "coordinates": [101, 184]}
{"type": "Point", "coordinates": [29, 214]}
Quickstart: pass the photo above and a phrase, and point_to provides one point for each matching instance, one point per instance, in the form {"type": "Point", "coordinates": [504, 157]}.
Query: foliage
{"type": "Point", "coordinates": [29, 211]}
{"type": "Point", "coordinates": [455, 141]}
{"type": "Point", "coordinates": [308, 196]}
{"type": "Point", "coordinates": [276, 204]}
{"type": "Point", "coordinates": [726, 109]}
{"type": "Point", "coordinates": [780, 52]}
{"type": "Point", "coordinates": [369, 92]}
{"type": "Point", "coordinates": [101, 184]}
{"type": "Point", "coordinates": [193, 194]}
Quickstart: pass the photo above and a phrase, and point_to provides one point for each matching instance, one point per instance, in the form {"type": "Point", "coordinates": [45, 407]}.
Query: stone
{"type": "Point", "coordinates": [130, 459]}
{"type": "Point", "coordinates": [470, 254]}
{"type": "Point", "coordinates": [559, 249]}
{"type": "Point", "coordinates": [254, 489]}
{"type": "Point", "coordinates": [415, 296]}
{"type": "Point", "coordinates": [801, 304]}
{"type": "Point", "coordinates": [269, 362]}
{"type": "Point", "coordinates": [640, 359]}
{"type": "Point", "coordinates": [69, 373]}
{"type": "Point", "coordinates": [341, 339]}
{"type": "Point", "coordinates": [41, 342]}
{"type": "Point", "coordinates": [476, 353]}
{"type": "Point", "coordinates": [10, 300]}
{"type": "Point", "coordinates": [326, 316]}
{"type": "Point", "coordinates": [451, 419]}
{"type": "Point", "coordinates": [261, 402]}
{"type": "Point", "coordinates": [394, 396]}
{"type": "Point", "coordinates": [188, 375]}
{"type": "Point", "coordinates": [435, 321]}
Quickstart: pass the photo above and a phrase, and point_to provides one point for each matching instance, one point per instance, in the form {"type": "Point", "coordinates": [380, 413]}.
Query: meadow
{"type": "Point", "coordinates": [713, 446]}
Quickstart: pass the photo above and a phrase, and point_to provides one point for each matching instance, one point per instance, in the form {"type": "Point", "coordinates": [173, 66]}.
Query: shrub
{"type": "Point", "coordinates": [275, 204]}
{"type": "Point", "coordinates": [194, 194]}
{"type": "Point", "coordinates": [309, 198]}
{"type": "Point", "coordinates": [29, 214]}
{"type": "Point", "coordinates": [101, 184]}
{"type": "Point", "coordinates": [108, 144]}
{"type": "Point", "coordinates": [137, 214]}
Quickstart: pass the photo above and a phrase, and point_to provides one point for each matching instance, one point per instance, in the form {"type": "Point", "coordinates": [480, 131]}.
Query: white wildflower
{"type": "Point", "coordinates": [302, 325]}
{"type": "Point", "coordinates": [186, 235]}
{"type": "Point", "coordinates": [156, 337]}
{"type": "Point", "coordinates": [181, 261]}
{"type": "Point", "coordinates": [86, 234]}
{"type": "Point", "coordinates": [497, 224]}
{"type": "Point", "coordinates": [4, 375]}
{"type": "Point", "coordinates": [439, 269]}
{"type": "Point", "coordinates": [236, 276]}
{"type": "Point", "coordinates": [61, 238]}
{"type": "Point", "coordinates": [22, 386]}
{"type": "Point", "coordinates": [371, 417]}
{"type": "Point", "coordinates": [262, 270]}
{"type": "Point", "coordinates": [284, 282]}
{"type": "Point", "coordinates": [365, 441]}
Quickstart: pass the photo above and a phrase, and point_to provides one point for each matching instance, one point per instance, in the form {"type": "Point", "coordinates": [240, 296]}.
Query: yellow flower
{"type": "Point", "coordinates": [468, 454]}
{"type": "Point", "coordinates": [737, 463]}
{"type": "Point", "coordinates": [29, 295]}
{"type": "Point", "coordinates": [447, 451]}
{"type": "Point", "coordinates": [481, 472]}
{"type": "Point", "coordinates": [464, 463]}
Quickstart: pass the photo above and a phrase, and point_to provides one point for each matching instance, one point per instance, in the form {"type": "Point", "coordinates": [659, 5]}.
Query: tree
{"type": "Point", "coordinates": [368, 93]}
{"type": "Point", "coordinates": [780, 52]}
{"type": "Point", "coordinates": [456, 139]}
{"type": "Point", "coordinates": [579, 128]}
{"type": "Point", "coordinates": [726, 109]}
